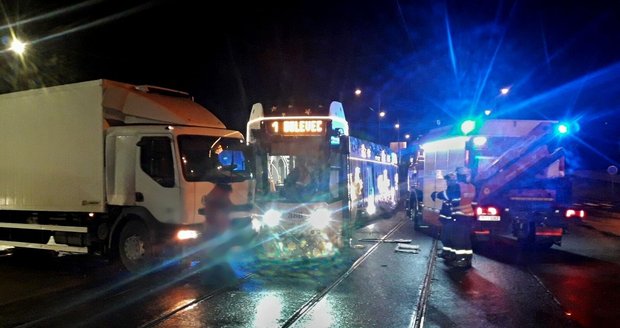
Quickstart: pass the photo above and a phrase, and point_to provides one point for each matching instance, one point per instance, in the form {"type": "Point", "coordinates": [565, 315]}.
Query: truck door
{"type": "Point", "coordinates": [157, 188]}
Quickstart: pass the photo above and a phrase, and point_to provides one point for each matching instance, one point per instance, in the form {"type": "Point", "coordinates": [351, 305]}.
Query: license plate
{"type": "Point", "coordinates": [489, 218]}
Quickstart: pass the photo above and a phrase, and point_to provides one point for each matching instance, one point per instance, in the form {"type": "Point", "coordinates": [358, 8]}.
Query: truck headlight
{"type": "Point", "coordinates": [185, 234]}
{"type": "Point", "coordinates": [272, 218]}
{"type": "Point", "coordinates": [319, 218]}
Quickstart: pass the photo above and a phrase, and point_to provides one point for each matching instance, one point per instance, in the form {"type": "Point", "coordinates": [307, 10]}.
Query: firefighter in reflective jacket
{"type": "Point", "coordinates": [463, 216]}
{"type": "Point", "coordinates": [445, 217]}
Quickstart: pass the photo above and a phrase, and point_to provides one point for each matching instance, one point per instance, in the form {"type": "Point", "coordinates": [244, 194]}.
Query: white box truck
{"type": "Point", "coordinates": [109, 168]}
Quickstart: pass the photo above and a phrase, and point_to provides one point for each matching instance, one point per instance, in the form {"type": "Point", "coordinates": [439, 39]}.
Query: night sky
{"type": "Point", "coordinates": [423, 62]}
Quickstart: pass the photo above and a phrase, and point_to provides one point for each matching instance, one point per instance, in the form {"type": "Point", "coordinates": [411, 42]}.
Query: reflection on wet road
{"type": "Point", "coordinates": [370, 285]}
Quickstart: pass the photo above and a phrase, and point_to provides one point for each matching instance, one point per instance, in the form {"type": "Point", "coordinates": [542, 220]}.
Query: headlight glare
{"type": "Point", "coordinates": [371, 209]}
{"type": "Point", "coordinates": [319, 218]}
{"type": "Point", "coordinates": [272, 218]}
{"type": "Point", "coordinates": [185, 234]}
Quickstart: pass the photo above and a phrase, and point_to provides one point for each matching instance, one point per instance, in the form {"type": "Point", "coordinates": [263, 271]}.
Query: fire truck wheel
{"type": "Point", "coordinates": [135, 247]}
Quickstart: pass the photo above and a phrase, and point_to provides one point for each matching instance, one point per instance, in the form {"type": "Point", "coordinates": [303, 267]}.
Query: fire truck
{"type": "Point", "coordinates": [518, 169]}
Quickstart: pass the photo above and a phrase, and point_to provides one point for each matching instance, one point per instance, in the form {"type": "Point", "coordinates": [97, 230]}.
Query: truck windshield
{"type": "Point", "coordinates": [213, 159]}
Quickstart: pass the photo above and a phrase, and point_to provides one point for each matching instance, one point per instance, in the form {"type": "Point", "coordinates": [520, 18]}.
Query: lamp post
{"type": "Point", "coordinates": [381, 114]}
{"type": "Point", "coordinates": [18, 48]}
{"type": "Point", "coordinates": [503, 92]}
{"type": "Point", "coordinates": [397, 127]}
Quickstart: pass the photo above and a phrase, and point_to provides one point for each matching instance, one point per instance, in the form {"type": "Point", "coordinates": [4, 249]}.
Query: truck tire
{"type": "Point", "coordinates": [135, 247]}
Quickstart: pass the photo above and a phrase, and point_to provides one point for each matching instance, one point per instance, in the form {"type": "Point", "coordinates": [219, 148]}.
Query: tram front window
{"type": "Point", "coordinates": [297, 178]}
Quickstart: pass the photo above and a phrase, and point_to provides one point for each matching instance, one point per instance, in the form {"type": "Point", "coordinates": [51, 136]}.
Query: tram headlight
{"type": "Point", "coordinates": [272, 218]}
{"type": "Point", "coordinates": [319, 218]}
{"type": "Point", "coordinates": [371, 209]}
{"type": "Point", "coordinates": [256, 224]}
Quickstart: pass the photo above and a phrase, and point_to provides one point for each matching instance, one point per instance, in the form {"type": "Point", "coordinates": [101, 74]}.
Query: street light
{"type": "Point", "coordinates": [18, 47]}
{"type": "Point", "coordinates": [358, 92]}
{"type": "Point", "coordinates": [382, 114]}
{"type": "Point", "coordinates": [504, 91]}
{"type": "Point", "coordinates": [397, 127]}
{"type": "Point", "coordinates": [407, 136]}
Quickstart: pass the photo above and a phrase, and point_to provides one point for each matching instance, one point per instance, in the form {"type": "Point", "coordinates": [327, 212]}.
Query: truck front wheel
{"type": "Point", "coordinates": [135, 247]}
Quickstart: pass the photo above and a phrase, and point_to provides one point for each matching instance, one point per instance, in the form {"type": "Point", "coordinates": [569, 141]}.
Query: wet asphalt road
{"type": "Point", "coordinates": [573, 285]}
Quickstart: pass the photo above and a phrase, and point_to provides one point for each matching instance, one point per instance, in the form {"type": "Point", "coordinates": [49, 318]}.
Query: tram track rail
{"type": "Point", "coordinates": [205, 297]}
{"type": "Point", "coordinates": [417, 317]}
{"type": "Point", "coordinates": [300, 312]}
{"type": "Point", "coordinates": [317, 297]}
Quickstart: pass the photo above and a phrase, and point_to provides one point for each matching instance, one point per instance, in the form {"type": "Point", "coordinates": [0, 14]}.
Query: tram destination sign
{"type": "Point", "coordinates": [296, 127]}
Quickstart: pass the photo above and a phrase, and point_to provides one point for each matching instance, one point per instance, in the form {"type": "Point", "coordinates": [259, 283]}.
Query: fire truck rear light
{"type": "Point", "coordinates": [570, 213]}
{"type": "Point", "coordinates": [486, 210]}
{"type": "Point", "coordinates": [489, 213]}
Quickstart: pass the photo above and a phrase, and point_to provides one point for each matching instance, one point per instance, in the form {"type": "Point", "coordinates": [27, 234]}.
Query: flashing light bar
{"type": "Point", "coordinates": [468, 126]}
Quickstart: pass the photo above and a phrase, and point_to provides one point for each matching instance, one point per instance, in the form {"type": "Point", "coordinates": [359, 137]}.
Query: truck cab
{"type": "Point", "coordinates": [104, 167]}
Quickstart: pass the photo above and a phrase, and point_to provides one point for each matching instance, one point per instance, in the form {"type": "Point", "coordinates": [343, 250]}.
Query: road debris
{"type": "Point", "coordinates": [406, 248]}
{"type": "Point", "coordinates": [403, 250]}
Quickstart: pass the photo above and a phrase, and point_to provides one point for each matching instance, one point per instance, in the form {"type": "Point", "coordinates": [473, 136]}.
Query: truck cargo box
{"type": "Point", "coordinates": [51, 149]}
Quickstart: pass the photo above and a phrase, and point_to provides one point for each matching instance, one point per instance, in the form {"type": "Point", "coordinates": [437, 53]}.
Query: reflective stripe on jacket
{"type": "Point", "coordinates": [463, 205]}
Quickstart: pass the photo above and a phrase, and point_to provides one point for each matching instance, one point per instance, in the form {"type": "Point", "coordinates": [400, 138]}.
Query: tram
{"type": "Point", "coordinates": [314, 182]}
